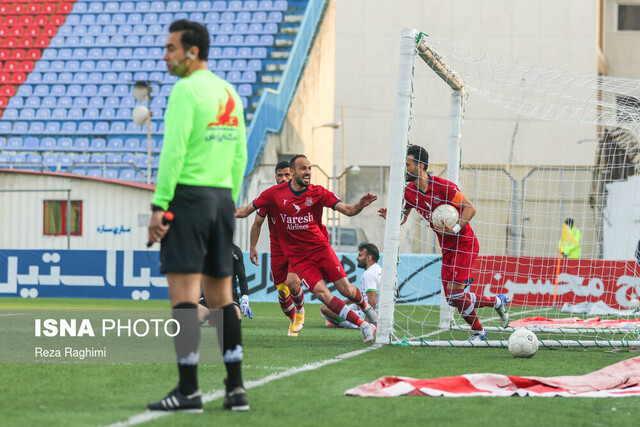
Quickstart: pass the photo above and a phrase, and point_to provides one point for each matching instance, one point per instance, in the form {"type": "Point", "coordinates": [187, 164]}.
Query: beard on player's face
{"type": "Point", "coordinates": [303, 179]}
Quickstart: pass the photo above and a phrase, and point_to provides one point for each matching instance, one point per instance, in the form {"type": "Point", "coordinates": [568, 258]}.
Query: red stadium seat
{"type": "Point", "coordinates": [7, 90]}
{"type": "Point", "coordinates": [65, 8]}
{"type": "Point", "coordinates": [48, 8]}
{"type": "Point", "coordinates": [4, 9]}
{"type": "Point", "coordinates": [57, 20]}
{"type": "Point", "coordinates": [18, 9]}
{"type": "Point", "coordinates": [10, 66]}
{"type": "Point", "coordinates": [49, 30]}
{"type": "Point", "coordinates": [5, 78]}
{"type": "Point", "coordinates": [32, 31]}
{"type": "Point", "coordinates": [18, 54]}
{"type": "Point", "coordinates": [4, 31]}
{"type": "Point", "coordinates": [33, 8]}
{"type": "Point", "coordinates": [16, 31]}
{"type": "Point", "coordinates": [18, 78]}
{"type": "Point", "coordinates": [3, 102]}
{"type": "Point", "coordinates": [34, 54]}
{"type": "Point", "coordinates": [26, 66]}
{"type": "Point", "coordinates": [42, 42]}
{"type": "Point", "coordinates": [11, 20]}
{"type": "Point", "coordinates": [26, 42]}
{"type": "Point", "coordinates": [25, 20]}
{"type": "Point", "coordinates": [10, 42]}
{"type": "Point", "coordinates": [4, 54]}
{"type": "Point", "coordinates": [41, 20]}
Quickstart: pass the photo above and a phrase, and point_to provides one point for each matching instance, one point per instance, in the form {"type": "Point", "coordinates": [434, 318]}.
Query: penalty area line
{"type": "Point", "coordinates": [217, 394]}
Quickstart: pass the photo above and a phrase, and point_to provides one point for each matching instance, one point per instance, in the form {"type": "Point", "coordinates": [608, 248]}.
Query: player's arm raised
{"type": "Point", "coordinates": [382, 212]}
{"type": "Point", "coordinates": [245, 211]}
{"type": "Point", "coordinates": [355, 209]}
{"type": "Point", "coordinates": [254, 235]}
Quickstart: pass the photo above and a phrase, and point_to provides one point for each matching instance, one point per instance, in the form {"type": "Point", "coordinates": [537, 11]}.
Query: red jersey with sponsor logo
{"type": "Point", "coordinates": [439, 192]}
{"type": "Point", "coordinates": [298, 216]}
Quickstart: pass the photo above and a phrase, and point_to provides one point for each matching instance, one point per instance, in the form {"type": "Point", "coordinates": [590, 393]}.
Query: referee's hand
{"type": "Point", "coordinates": [157, 229]}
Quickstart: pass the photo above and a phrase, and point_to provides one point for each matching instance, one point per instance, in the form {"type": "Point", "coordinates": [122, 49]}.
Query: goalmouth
{"type": "Point", "coordinates": [535, 120]}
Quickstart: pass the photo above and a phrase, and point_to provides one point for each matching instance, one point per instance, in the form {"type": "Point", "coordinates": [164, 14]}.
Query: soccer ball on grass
{"type": "Point", "coordinates": [523, 343]}
{"type": "Point", "coordinates": [445, 214]}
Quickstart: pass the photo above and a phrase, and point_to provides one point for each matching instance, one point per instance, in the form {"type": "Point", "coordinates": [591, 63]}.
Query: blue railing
{"type": "Point", "coordinates": [274, 104]}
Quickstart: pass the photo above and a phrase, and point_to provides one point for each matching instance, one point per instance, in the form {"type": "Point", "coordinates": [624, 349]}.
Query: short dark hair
{"type": "Point", "coordinates": [193, 34]}
{"type": "Point", "coordinates": [569, 222]}
{"type": "Point", "coordinates": [292, 162]}
{"type": "Point", "coordinates": [371, 250]}
{"type": "Point", "coordinates": [282, 165]}
{"type": "Point", "coordinates": [419, 154]}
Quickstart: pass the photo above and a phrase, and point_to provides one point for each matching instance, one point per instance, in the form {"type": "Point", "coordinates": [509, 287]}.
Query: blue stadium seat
{"type": "Point", "coordinates": [101, 128]}
{"type": "Point", "coordinates": [58, 90]}
{"type": "Point", "coordinates": [180, 15]}
{"type": "Point", "coordinates": [127, 174]}
{"type": "Point", "coordinates": [234, 5]}
{"type": "Point", "coordinates": [14, 143]}
{"type": "Point", "coordinates": [118, 65]}
{"type": "Point", "coordinates": [188, 6]}
{"type": "Point", "coordinates": [74, 114]}
{"type": "Point", "coordinates": [85, 128]}
{"type": "Point", "coordinates": [139, 53]}
{"type": "Point", "coordinates": [249, 77]}
{"type": "Point", "coordinates": [44, 113]}
{"type": "Point", "coordinates": [117, 128]}
{"type": "Point", "coordinates": [219, 6]}
{"type": "Point", "coordinates": [97, 144]}
{"type": "Point", "coordinates": [112, 102]}
{"type": "Point", "coordinates": [226, 17]}
{"type": "Point", "coordinates": [244, 52]}
{"type": "Point", "coordinates": [80, 144]}
{"type": "Point", "coordinates": [196, 16]}
{"type": "Point", "coordinates": [133, 128]}
{"type": "Point", "coordinates": [212, 18]}
{"type": "Point", "coordinates": [97, 157]}
{"type": "Point", "coordinates": [165, 18]}
{"type": "Point", "coordinates": [115, 144]}
{"type": "Point", "coordinates": [40, 90]}
{"type": "Point", "coordinates": [131, 144]}
{"type": "Point", "coordinates": [243, 17]}
{"type": "Point", "coordinates": [90, 90]}
{"type": "Point", "coordinates": [112, 172]}
{"type": "Point", "coordinates": [111, 7]}
{"type": "Point", "coordinates": [132, 64]}
{"type": "Point", "coordinates": [157, 113]}
{"type": "Point", "coordinates": [80, 7]}
{"type": "Point", "coordinates": [110, 30]}
{"type": "Point", "coordinates": [140, 29]}
{"type": "Point", "coordinates": [280, 5]}
{"type": "Point", "coordinates": [47, 144]}
{"type": "Point", "coordinates": [103, 19]}
{"type": "Point", "coordinates": [58, 41]}
{"type": "Point", "coordinates": [11, 114]}
{"type": "Point", "coordinates": [224, 65]}
{"type": "Point", "coordinates": [50, 161]}
{"type": "Point", "coordinates": [143, 6]}
{"type": "Point", "coordinates": [150, 18]}
{"type": "Point", "coordinates": [158, 102]}
{"type": "Point", "coordinates": [109, 77]}
{"type": "Point", "coordinates": [221, 40]}
{"type": "Point", "coordinates": [259, 52]}
{"type": "Point", "coordinates": [35, 159]}
{"type": "Point", "coordinates": [157, 76]}
{"type": "Point", "coordinates": [105, 90]}
{"type": "Point", "coordinates": [88, 40]}
{"type": "Point", "coordinates": [229, 52]}
{"type": "Point", "coordinates": [239, 65]}
{"type": "Point", "coordinates": [66, 160]}
{"type": "Point", "coordinates": [141, 75]}
{"type": "Point", "coordinates": [72, 66]}
{"type": "Point", "coordinates": [65, 78]}
{"type": "Point", "coordinates": [221, 74]}
{"type": "Point", "coordinates": [147, 40]}
{"type": "Point", "coordinates": [65, 30]}
{"type": "Point", "coordinates": [31, 144]}
{"type": "Point", "coordinates": [255, 28]}
{"type": "Point", "coordinates": [49, 54]}
{"type": "Point", "coordinates": [59, 114]}
{"type": "Point", "coordinates": [96, 102]}
{"type": "Point", "coordinates": [25, 114]}
{"type": "Point", "coordinates": [50, 127]}
{"type": "Point", "coordinates": [65, 54]}
{"type": "Point", "coordinates": [64, 143]}
{"type": "Point", "coordinates": [160, 40]}
{"type": "Point", "coordinates": [34, 77]}
{"type": "Point", "coordinates": [24, 90]}
{"type": "Point", "coordinates": [68, 128]}
{"type": "Point", "coordinates": [117, 40]}
{"type": "Point", "coordinates": [159, 6]}
{"type": "Point", "coordinates": [18, 158]}
{"type": "Point", "coordinates": [108, 114]}
{"type": "Point", "coordinates": [16, 102]}
{"type": "Point", "coordinates": [173, 6]}
{"type": "Point", "coordinates": [110, 53]}
{"type": "Point", "coordinates": [92, 113]}
{"type": "Point", "coordinates": [244, 90]}
{"type": "Point", "coordinates": [121, 90]}
{"type": "Point", "coordinates": [125, 77]}
{"type": "Point", "coordinates": [31, 102]}
{"type": "Point", "coordinates": [265, 5]}
{"type": "Point", "coordinates": [95, 7]}
{"type": "Point", "coordinates": [81, 102]}
{"type": "Point", "coordinates": [236, 40]}
{"type": "Point", "coordinates": [259, 16]}
{"type": "Point", "coordinates": [80, 30]}
{"type": "Point", "coordinates": [275, 17]}
{"type": "Point", "coordinates": [250, 5]}
{"type": "Point", "coordinates": [127, 102]}
{"type": "Point", "coordinates": [95, 53]}
{"type": "Point", "coordinates": [123, 113]}
{"type": "Point", "coordinates": [234, 76]}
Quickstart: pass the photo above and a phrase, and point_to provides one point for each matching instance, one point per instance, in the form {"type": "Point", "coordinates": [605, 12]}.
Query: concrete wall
{"type": "Point", "coordinates": [105, 206]}
{"type": "Point", "coordinates": [621, 48]}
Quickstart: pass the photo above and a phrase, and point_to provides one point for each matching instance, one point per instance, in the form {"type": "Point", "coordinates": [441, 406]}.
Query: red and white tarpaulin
{"type": "Point", "coordinates": [574, 322]}
{"type": "Point", "coordinates": [619, 380]}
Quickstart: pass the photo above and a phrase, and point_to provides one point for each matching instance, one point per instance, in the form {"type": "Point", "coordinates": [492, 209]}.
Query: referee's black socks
{"type": "Point", "coordinates": [186, 345]}
{"type": "Point", "coordinates": [232, 347]}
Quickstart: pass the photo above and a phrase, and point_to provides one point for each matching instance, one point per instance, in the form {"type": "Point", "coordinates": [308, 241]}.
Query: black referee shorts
{"type": "Point", "coordinates": [200, 239]}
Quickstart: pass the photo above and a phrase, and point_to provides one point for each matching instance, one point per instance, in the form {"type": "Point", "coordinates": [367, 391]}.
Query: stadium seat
{"type": "Point", "coordinates": [131, 144]}
{"type": "Point", "coordinates": [97, 157]}
{"type": "Point", "coordinates": [81, 102]}
{"type": "Point", "coordinates": [101, 128]}
{"type": "Point", "coordinates": [219, 6]}
{"type": "Point", "coordinates": [123, 113]}
{"type": "Point", "coordinates": [110, 78]}
{"type": "Point", "coordinates": [80, 144]}
{"type": "Point", "coordinates": [58, 90]}
{"type": "Point", "coordinates": [64, 143]}
{"type": "Point", "coordinates": [75, 114]}
{"type": "Point", "coordinates": [112, 102]}
{"type": "Point", "coordinates": [97, 144]}
{"type": "Point", "coordinates": [234, 5]}
{"type": "Point", "coordinates": [159, 6]}
{"type": "Point", "coordinates": [92, 113]}
{"type": "Point", "coordinates": [44, 113]}
{"type": "Point", "coordinates": [68, 128]}
{"type": "Point", "coordinates": [115, 144]}
{"type": "Point", "coordinates": [12, 113]}
{"type": "Point", "coordinates": [85, 128]}
{"type": "Point", "coordinates": [66, 161]}
{"type": "Point", "coordinates": [96, 102]}
{"type": "Point", "coordinates": [95, 7]}
{"type": "Point", "coordinates": [65, 102]}
{"type": "Point", "coordinates": [31, 144]}
{"type": "Point", "coordinates": [59, 114]}
{"type": "Point", "coordinates": [107, 114]}
{"type": "Point", "coordinates": [5, 128]}
{"type": "Point", "coordinates": [8, 91]}
{"type": "Point", "coordinates": [14, 143]}
{"type": "Point", "coordinates": [127, 174]}
{"type": "Point", "coordinates": [15, 102]}
{"type": "Point", "coordinates": [117, 128]}
{"type": "Point", "coordinates": [75, 90]}
{"type": "Point", "coordinates": [50, 78]}
{"type": "Point", "coordinates": [47, 144]}
{"type": "Point", "coordinates": [50, 127]}
{"type": "Point", "coordinates": [50, 161]}
{"type": "Point", "coordinates": [90, 90]}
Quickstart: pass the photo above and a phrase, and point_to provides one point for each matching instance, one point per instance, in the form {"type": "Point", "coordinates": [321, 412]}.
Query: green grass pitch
{"type": "Point", "coordinates": [101, 394]}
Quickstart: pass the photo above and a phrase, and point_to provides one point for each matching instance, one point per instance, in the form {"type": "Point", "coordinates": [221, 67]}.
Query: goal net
{"type": "Point", "coordinates": [530, 147]}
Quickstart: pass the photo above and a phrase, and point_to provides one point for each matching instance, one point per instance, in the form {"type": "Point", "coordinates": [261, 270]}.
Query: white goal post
{"type": "Point", "coordinates": [522, 198]}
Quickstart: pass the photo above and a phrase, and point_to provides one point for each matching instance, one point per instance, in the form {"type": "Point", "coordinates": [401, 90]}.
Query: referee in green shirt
{"type": "Point", "coordinates": [199, 178]}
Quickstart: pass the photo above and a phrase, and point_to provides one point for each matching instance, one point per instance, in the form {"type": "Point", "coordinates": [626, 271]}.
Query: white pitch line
{"type": "Point", "coordinates": [12, 314]}
{"type": "Point", "coordinates": [217, 394]}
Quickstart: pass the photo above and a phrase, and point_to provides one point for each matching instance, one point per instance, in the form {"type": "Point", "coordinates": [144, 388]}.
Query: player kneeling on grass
{"type": "Point", "coordinates": [367, 259]}
{"type": "Point", "coordinates": [297, 208]}
{"type": "Point", "coordinates": [459, 243]}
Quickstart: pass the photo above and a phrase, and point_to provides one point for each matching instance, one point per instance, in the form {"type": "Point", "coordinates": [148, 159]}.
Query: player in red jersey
{"type": "Point", "coordinates": [290, 294]}
{"type": "Point", "coordinates": [459, 244]}
{"type": "Point", "coordinates": [297, 208]}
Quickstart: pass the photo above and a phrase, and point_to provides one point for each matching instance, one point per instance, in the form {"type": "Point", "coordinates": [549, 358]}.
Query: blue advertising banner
{"type": "Point", "coordinates": [135, 275]}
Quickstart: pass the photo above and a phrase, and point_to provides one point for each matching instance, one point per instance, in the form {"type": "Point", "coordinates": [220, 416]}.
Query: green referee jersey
{"type": "Point", "coordinates": [204, 137]}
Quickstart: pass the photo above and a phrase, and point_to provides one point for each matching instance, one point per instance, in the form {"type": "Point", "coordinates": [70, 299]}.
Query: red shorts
{"type": "Point", "coordinates": [280, 267]}
{"type": "Point", "coordinates": [318, 265]}
{"type": "Point", "coordinates": [457, 264]}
